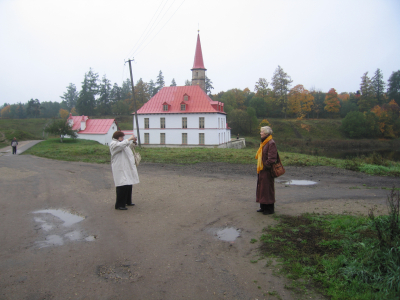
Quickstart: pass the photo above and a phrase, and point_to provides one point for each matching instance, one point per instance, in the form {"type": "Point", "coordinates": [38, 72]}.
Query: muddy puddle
{"type": "Point", "coordinates": [227, 234]}
{"type": "Point", "coordinates": [55, 225]}
{"type": "Point", "coordinates": [297, 182]}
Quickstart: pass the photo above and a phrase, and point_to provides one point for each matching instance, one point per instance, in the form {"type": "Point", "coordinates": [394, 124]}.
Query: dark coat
{"type": "Point", "coordinates": [265, 193]}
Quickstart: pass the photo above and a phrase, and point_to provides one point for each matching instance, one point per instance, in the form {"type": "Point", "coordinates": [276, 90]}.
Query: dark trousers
{"type": "Point", "coordinates": [124, 196]}
{"type": "Point", "coordinates": [268, 207]}
{"type": "Point", "coordinates": [14, 149]}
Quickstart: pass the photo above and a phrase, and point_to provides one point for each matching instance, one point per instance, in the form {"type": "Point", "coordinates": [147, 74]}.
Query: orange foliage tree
{"type": "Point", "coordinates": [5, 112]}
{"type": "Point", "coordinates": [63, 113]}
{"type": "Point", "coordinates": [332, 103]}
{"type": "Point", "coordinates": [300, 101]}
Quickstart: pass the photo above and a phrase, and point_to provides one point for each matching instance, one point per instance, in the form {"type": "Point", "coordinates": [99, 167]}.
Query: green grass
{"type": "Point", "coordinates": [90, 151]}
{"type": "Point", "coordinates": [342, 256]}
{"type": "Point", "coordinates": [22, 129]}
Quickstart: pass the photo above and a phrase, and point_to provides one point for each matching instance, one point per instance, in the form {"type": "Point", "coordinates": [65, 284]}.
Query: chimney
{"type": "Point", "coordinates": [83, 123]}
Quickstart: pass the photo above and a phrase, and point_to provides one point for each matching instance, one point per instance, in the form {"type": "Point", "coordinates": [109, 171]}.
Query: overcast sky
{"type": "Point", "coordinates": [45, 45]}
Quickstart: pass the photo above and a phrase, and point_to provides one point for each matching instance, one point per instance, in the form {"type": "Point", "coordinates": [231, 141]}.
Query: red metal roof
{"type": "Point", "coordinates": [198, 101]}
{"type": "Point", "coordinates": [93, 126]}
{"type": "Point", "coordinates": [198, 56]}
{"type": "Point", "coordinates": [77, 121]}
{"type": "Point", "coordinates": [97, 126]}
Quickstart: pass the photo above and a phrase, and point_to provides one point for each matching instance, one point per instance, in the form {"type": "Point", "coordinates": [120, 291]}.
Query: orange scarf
{"type": "Point", "coordinates": [260, 164]}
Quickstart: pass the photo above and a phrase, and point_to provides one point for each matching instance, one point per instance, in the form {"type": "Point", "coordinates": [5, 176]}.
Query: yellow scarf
{"type": "Point", "coordinates": [260, 164]}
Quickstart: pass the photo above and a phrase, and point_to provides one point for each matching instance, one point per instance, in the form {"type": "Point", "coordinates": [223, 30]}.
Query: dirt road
{"type": "Point", "coordinates": [62, 239]}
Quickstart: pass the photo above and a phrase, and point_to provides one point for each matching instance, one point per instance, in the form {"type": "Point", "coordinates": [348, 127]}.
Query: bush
{"type": "Point", "coordinates": [354, 125]}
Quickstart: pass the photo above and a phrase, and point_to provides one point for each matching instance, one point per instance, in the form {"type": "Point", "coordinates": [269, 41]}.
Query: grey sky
{"type": "Point", "coordinates": [45, 45]}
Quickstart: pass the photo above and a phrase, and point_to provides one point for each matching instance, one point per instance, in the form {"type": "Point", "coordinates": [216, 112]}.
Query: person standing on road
{"type": "Point", "coordinates": [266, 156]}
{"type": "Point", "coordinates": [14, 144]}
{"type": "Point", "coordinates": [123, 168]}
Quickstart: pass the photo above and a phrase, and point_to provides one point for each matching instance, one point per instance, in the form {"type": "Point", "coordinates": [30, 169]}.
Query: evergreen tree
{"type": "Point", "coordinates": [160, 82]}
{"type": "Point", "coordinates": [33, 108]}
{"type": "Point", "coordinates": [104, 101]}
{"type": "Point", "coordinates": [393, 90]}
{"type": "Point", "coordinates": [188, 82]}
{"type": "Point", "coordinates": [208, 86]}
{"type": "Point", "coordinates": [378, 86]}
{"type": "Point", "coordinates": [115, 94]}
{"type": "Point", "coordinates": [126, 90]}
{"type": "Point", "coordinates": [86, 102]}
{"type": "Point", "coordinates": [281, 84]}
{"type": "Point", "coordinates": [367, 100]}
{"type": "Point", "coordinates": [152, 88]}
{"type": "Point", "coordinates": [70, 96]}
{"type": "Point", "coordinates": [173, 83]}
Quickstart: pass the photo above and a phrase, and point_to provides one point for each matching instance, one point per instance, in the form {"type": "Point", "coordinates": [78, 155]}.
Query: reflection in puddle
{"type": "Point", "coordinates": [298, 182]}
{"type": "Point", "coordinates": [51, 240]}
{"type": "Point", "coordinates": [59, 235]}
{"type": "Point", "coordinates": [68, 218]}
{"type": "Point", "coordinates": [227, 234]}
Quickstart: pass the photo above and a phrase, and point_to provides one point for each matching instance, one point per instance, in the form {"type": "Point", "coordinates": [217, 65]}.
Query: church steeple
{"type": "Point", "coordinates": [198, 70]}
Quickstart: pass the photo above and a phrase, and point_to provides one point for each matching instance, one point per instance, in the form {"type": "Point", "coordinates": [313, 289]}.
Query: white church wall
{"type": "Point", "coordinates": [214, 132]}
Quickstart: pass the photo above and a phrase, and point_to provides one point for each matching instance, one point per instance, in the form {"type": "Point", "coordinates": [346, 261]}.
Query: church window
{"type": "Point", "coordinates": [184, 122]}
{"type": "Point", "coordinates": [165, 107]}
{"type": "Point", "coordinates": [201, 138]}
{"type": "Point", "coordinates": [201, 122]}
{"type": "Point", "coordinates": [183, 106]}
{"type": "Point", "coordinates": [184, 138]}
{"type": "Point", "coordinates": [146, 138]}
{"type": "Point", "coordinates": [162, 122]}
{"type": "Point", "coordinates": [162, 138]}
{"type": "Point", "coordinates": [146, 123]}
{"type": "Point", "coordinates": [186, 97]}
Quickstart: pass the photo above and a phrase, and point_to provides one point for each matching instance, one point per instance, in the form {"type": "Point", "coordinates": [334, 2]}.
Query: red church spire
{"type": "Point", "coordinates": [198, 56]}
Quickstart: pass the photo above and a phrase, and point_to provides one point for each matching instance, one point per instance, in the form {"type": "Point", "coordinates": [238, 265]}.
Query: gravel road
{"type": "Point", "coordinates": [188, 237]}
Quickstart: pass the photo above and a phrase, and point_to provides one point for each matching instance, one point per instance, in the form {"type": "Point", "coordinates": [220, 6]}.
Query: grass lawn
{"type": "Point", "coordinates": [342, 256]}
{"type": "Point", "coordinates": [91, 151]}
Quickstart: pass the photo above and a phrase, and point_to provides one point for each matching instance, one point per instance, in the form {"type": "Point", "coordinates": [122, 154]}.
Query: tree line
{"type": "Point", "coordinates": [376, 100]}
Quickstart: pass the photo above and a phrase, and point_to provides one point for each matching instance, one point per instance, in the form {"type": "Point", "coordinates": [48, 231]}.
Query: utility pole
{"type": "Point", "coordinates": [134, 102]}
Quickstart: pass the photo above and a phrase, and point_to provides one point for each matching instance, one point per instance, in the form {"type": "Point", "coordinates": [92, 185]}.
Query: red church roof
{"type": "Point", "coordinates": [174, 96]}
{"type": "Point", "coordinates": [198, 56]}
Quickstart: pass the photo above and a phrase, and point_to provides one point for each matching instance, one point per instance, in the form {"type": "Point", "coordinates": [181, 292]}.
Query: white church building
{"type": "Point", "coordinates": [184, 115]}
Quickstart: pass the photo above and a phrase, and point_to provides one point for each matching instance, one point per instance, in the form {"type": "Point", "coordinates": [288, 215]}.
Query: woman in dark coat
{"type": "Point", "coordinates": [266, 156]}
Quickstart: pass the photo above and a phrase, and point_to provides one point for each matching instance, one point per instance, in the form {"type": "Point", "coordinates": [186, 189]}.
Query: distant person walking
{"type": "Point", "coordinates": [266, 156]}
{"type": "Point", "coordinates": [14, 144]}
{"type": "Point", "coordinates": [123, 168]}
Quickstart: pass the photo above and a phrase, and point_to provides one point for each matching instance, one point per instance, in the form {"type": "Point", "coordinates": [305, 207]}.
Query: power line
{"type": "Point", "coordinates": [137, 52]}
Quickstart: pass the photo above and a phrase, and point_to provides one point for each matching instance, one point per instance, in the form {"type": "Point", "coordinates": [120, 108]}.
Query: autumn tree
{"type": "Point", "coordinates": [70, 96]}
{"type": "Point", "coordinates": [300, 101]}
{"type": "Point", "coordinates": [378, 86]}
{"type": "Point", "coordinates": [367, 99]}
{"type": "Point", "coordinates": [5, 111]}
{"type": "Point", "coordinates": [332, 104]}
{"type": "Point", "coordinates": [142, 94]}
{"type": "Point", "coordinates": [393, 91]}
{"type": "Point", "coordinates": [281, 84]}
{"type": "Point", "coordinates": [63, 113]}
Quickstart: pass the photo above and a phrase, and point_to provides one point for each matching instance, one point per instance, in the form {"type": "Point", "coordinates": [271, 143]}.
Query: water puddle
{"type": "Point", "coordinates": [298, 182]}
{"type": "Point", "coordinates": [227, 234]}
{"type": "Point", "coordinates": [68, 218]}
{"type": "Point", "coordinates": [55, 223]}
